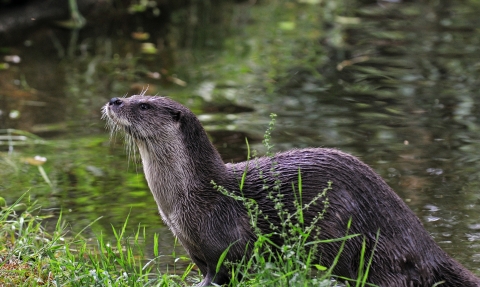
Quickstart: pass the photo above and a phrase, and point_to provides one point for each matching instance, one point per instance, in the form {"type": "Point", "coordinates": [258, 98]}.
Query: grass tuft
{"type": "Point", "coordinates": [32, 256]}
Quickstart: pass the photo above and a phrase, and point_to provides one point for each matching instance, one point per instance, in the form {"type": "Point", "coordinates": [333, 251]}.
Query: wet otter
{"type": "Point", "coordinates": [180, 163]}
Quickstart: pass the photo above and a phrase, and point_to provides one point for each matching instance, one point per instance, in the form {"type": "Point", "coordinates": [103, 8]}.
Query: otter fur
{"type": "Point", "coordinates": [180, 164]}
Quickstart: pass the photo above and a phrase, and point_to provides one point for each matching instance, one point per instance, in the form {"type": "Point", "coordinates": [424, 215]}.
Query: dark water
{"type": "Point", "coordinates": [396, 84]}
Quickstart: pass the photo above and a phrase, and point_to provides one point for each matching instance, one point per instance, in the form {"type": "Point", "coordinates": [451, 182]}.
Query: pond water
{"type": "Point", "coordinates": [394, 83]}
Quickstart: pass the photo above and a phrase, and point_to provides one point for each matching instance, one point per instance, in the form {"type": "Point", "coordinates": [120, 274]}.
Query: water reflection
{"type": "Point", "coordinates": [396, 85]}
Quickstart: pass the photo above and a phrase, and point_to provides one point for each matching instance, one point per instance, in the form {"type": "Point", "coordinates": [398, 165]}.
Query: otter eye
{"type": "Point", "coordinates": [144, 106]}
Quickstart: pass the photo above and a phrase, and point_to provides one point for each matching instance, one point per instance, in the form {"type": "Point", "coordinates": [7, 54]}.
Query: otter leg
{"type": "Point", "coordinates": [210, 277]}
{"type": "Point", "coordinates": [209, 274]}
{"type": "Point", "coordinates": [222, 277]}
{"type": "Point", "coordinates": [207, 281]}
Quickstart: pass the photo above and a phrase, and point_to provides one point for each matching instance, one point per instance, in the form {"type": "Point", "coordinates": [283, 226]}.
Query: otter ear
{"type": "Point", "coordinates": [176, 115]}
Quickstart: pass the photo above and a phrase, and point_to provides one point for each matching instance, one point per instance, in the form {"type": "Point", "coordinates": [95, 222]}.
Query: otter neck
{"type": "Point", "coordinates": [174, 170]}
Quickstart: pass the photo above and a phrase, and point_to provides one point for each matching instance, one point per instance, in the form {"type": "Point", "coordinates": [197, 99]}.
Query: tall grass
{"type": "Point", "coordinates": [32, 256]}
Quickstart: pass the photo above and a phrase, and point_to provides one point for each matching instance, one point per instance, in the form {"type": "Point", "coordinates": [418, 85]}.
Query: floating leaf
{"type": "Point", "coordinates": [14, 114]}
{"type": "Point", "coordinates": [141, 36]}
{"type": "Point", "coordinates": [4, 66]}
{"type": "Point", "coordinates": [149, 48]}
{"type": "Point", "coordinates": [347, 20]}
{"type": "Point", "coordinates": [286, 25]}
{"type": "Point", "coordinates": [311, 2]}
{"type": "Point", "coordinates": [37, 160]}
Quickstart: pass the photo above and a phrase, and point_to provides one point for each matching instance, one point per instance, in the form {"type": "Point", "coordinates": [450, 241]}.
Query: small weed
{"type": "Point", "coordinates": [295, 261]}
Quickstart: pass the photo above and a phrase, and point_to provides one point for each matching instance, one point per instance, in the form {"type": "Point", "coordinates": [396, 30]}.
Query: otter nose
{"type": "Point", "coordinates": [115, 101]}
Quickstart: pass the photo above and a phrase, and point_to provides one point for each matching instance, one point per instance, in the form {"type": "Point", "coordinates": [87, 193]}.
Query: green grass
{"type": "Point", "coordinates": [31, 256]}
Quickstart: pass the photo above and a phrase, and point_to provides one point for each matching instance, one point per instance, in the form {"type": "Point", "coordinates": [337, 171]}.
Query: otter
{"type": "Point", "coordinates": [180, 164]}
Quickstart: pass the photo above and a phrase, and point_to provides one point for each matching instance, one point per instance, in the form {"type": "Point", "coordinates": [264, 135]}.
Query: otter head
{"type": "Point", "coordinates": [153, 121]}
{"type": "Point", "coordinates": [145, 118]}
{"type": "Point", "coordinates": [164, 131]}
{"type": "Point", "coordinates": [157, 125]}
